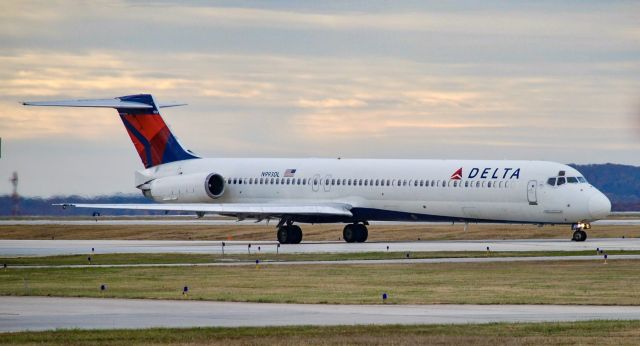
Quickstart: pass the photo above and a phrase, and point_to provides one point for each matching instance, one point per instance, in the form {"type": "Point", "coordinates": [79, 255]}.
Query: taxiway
{"type": "Point", "coordinates": [46, 313]}
{"type": "Point", "coordinates": [15, 248]}
{"type": "Point", "coordinates": [188, 220]}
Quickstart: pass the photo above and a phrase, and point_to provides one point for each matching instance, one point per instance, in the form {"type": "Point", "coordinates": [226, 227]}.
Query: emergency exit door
{"type": "Point", "coordinates": [532, 196]}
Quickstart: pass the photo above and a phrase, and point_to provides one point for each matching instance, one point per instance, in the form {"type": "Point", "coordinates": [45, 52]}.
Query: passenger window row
{"type": "Point", "coordinates": [371, 182]}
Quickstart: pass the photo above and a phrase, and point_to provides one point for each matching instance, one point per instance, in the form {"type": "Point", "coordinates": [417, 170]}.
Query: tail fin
{"type": "Point", "coordinates": [149, 133]}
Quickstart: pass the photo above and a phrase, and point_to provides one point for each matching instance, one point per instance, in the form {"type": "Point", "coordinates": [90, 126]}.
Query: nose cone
{"type": "Point", "coordinates": [599, 206]}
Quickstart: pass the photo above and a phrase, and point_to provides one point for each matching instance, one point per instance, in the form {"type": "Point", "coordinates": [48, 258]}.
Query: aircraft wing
{"type": "Point", "coordinates": [244, 210]}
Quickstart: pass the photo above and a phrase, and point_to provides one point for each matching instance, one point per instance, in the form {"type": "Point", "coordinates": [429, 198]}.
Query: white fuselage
{"type": "Point", "coordinates": [398, 190]}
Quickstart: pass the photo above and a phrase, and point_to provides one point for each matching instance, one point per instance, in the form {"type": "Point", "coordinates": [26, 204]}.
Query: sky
{"type": "Point", "coordinates": [533, 80]}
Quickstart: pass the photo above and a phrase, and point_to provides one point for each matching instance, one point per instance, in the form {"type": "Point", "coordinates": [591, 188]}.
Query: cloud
{"type": "Point", "coordinates": [497, 80]}
{"type": "Point", "coordinates": [322, 127]}
{"type": "Point", "coordinates": [456, 32]}
{"type": "Point", "coordinates": [316, 94]}
{"type": "Point", "coordinates": [331, 103]}
{"type": "Point", "coordinates": [552, 21]}
{"type": "Point", "coordinates": [19, 122]}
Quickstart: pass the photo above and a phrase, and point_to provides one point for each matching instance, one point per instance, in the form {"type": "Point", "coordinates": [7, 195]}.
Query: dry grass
{"type": "Point", "coordinates": [573, 333]}
{"type": "Point", "coordinates": [311, 232]}
{"type": "Point", "coordinates": [588, 282]}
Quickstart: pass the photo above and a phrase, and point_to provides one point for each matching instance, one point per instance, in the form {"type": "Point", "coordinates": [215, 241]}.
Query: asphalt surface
{"type": "Point", "coordinates": [14, 248]}
{"type": "Point", "coordinates": [192, 220]}
{"type": "Point", "coordinates": [46, 313]}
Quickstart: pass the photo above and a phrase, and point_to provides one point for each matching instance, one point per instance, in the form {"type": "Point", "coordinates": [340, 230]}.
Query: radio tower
{"type": "Point", "coordinates": [15, 198]}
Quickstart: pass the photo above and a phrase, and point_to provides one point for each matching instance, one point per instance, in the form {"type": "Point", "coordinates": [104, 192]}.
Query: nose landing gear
{"type": "Point", "coordinates": [578, 231]}
{"type": "Point", "coordinates": [579, 235]}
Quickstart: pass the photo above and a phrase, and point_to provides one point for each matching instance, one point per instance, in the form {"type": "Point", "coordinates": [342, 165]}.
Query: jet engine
{"type": "Point", "coordinates": [185, 188]}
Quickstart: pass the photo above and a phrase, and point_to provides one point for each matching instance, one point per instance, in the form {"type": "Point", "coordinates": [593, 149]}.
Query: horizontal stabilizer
{"type": "Point", "coordinates": [101, 103]}
{"type": "Point", "coordinates": [140, 115]}
{"type": "Point", "coordinates": [167, 105]}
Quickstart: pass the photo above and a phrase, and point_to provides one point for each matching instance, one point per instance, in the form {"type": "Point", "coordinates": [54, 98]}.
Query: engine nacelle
{"type": "Point", "coordinates": [214, 185]}
{"type": "Point", "coordinates": [186, 188]}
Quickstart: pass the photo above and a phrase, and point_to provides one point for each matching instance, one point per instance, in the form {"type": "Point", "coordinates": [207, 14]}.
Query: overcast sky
{"type": "Point", "coordinates": [540, 80]}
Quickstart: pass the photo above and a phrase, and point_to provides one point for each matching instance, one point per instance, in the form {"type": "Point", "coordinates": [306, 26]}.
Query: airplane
{"type": "Point", "coordinates": [351, 191]}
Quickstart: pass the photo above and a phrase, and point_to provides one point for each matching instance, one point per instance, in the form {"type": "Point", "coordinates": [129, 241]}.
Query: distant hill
{"type": "Point", "coordinates": [621, 183]}
{"type": "Point", "coordinates": [34, 206]}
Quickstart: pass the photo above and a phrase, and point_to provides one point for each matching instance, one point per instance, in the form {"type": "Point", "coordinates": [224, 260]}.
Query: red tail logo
{"type": "Point", "coordinates": [150, 135]}
{"type": "Point", "coordinates": [457, 175]}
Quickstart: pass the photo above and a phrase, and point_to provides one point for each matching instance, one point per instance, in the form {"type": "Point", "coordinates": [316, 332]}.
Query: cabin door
{"type": "Point", "coordinates": [532, 196]}
{"type": "Point", "coordinates": [315, 183]}
{"type": "Point", "coordinates": [327, 183]}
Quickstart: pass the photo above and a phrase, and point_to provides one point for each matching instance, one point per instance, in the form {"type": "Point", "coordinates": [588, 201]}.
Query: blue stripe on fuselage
{"type": "Point", "coordinates": [373, 214]}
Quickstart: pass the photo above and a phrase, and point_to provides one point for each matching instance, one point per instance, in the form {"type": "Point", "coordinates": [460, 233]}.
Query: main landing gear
{"type": "Point", "coordinates": [578, 231]}
{"type": "Point", "coordinates": [356, 232]}
{"type": "Point", "coordinates": [289, 234]}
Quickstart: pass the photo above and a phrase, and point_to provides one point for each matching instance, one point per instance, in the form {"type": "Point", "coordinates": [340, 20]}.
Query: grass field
{"type": "Point", "coordinates": [311, 232]}
{"type": "Point", "coordinates": [169, 258]}
{"type": "Point", "coordinates": [562, 282]}
{"type": "Point", "coordinates": [576, 333]}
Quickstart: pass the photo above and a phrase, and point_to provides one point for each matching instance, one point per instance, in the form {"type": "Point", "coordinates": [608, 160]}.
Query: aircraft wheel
{"type": "Point", "coordinates": [283, 235]}
{"type": "Point", "coordinates": [362, 233]}
{"type": "Point", "coordinates": [349, 233]}
{"type": "Point", "coordinates": [579, 235]}
{"type": "Point", "coordinates": [295, 232]}
{"type": "Point", "coordinates": [584, 235]}
{"type": "Point", "coordinates": [289, 234]}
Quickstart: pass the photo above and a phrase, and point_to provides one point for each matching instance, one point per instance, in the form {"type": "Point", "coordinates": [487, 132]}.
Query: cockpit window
{"type": "Point", "coordinates": [557, 181]}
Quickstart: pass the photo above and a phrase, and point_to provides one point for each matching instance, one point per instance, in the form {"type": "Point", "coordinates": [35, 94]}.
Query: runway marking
{"type": "Point", "coordinates": [342, 262]}
{"type": "Point", "coordinates": [47, 313]}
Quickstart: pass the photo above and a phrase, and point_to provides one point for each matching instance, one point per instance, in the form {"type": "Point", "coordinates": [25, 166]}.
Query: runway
{"type": "Point", "coordinates": [15, 248]}
{"type": "Point", "coordinates": [46, 313]}
{"type": "Point", "coordinates": [188, 220]}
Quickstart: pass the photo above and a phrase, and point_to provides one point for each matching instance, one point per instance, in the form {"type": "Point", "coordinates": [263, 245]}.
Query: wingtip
{"type": "Point", "coordinates": [171, 104]}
